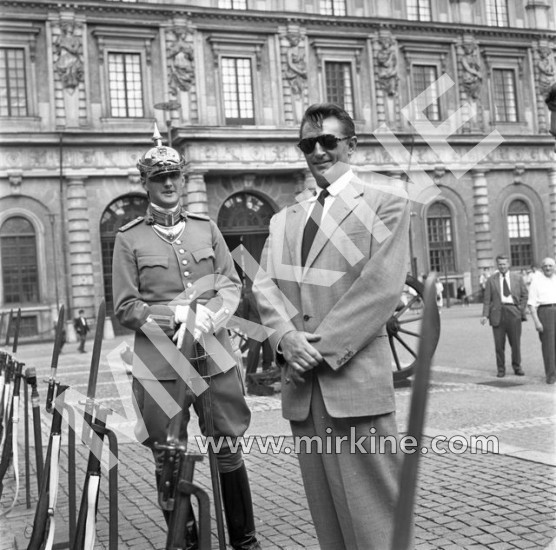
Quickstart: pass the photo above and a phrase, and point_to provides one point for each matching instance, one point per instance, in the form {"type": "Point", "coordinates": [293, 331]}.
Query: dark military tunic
{"type": "Point", "coordinates": [150, 275]}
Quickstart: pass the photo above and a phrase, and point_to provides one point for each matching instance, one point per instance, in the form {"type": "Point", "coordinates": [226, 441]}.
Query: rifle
{"type": "Point", "coordinates": [408, 478]}
{"type": "Point", "coordinates": [85, 530]}
{"type": "Point", "coordinates": [10, 448]}
{"type": "Point", "coordinates": [175, 485]}
{"type": "Point", "coordinates": [31, 377]}
{"type": "Point", "coordinates": [4, 382]}
{"type": "Point", "coordinates": [44, 524]}
{"type": "Point", "coordinates": [58, 337]}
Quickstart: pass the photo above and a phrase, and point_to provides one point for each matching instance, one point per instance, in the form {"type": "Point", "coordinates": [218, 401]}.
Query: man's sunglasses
{"type": "Point", "coordinates": [328, 141]}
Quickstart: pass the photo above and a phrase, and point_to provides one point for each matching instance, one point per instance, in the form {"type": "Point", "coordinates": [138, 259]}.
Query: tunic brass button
{"type": "Point", "coordinates": [181, 251]}
{"type": "Point", "coordinates": [186, 273]}
{"type": "Point", "coordinates": [188, 285]}
{"type": "Point", "coordinates": [178, 242]}
{"type": "Point", "coordinates": [184, 262]}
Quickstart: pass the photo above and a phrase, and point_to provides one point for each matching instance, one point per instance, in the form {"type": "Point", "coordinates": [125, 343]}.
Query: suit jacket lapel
{"type": "Point", "coordinates": [342, 206]}
{"type": "Point", "coordinates": [295, 223]}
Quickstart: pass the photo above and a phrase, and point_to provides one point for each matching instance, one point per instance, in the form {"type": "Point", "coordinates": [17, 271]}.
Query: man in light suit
{"type": "Point", "coordinates": [504, 306]}
{"type": "Point", "coordinates": [331, 275]}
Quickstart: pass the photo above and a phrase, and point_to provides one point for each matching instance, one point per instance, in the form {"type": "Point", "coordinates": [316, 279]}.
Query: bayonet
{"type": "Point", "coordinates": [58, 340]}
{"type": "Point", "coordinates": [44, 525]}
{"type": "Point", "coordinates": [86, 523]}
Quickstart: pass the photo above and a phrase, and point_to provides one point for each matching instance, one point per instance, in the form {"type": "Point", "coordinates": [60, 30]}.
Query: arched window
{"type": "Point", "coordinates": [243, 220]}
{"type": "Point", "coordinates": [440, 236]}
{"type": "Point", "coordinates": [245, 213]}
{"type": "Point", "coordinates": [18, 244]}
{"type": "Point", "coordinates": [519, 232]}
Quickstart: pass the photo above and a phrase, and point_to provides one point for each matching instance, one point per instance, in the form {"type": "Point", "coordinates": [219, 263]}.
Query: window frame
{"type": "Point", "coordinates": [454, 267]}
{"type": "Point", "coordinates": [333, 8]}
{"type": "Point", "coordinates": [498, 57]}
{"type": "Point", "coordinates": [40, 250]}
{"type": "Point", "coordinates": [487, 4]}
{"type": "Point", "coordinates": [4, 54]}
{"type": "Point", "coordinates": [23, 36]}
{"type": "Point", "coordinates": [232, 6]}
{"type": "Point", "coordinates": [418, 53]}
{"type": "Point", "coordinates": [245, 46]}
{"type": "Point", "coordinates": [531, 238]}
{"type": "Point", "coordinates": [111, 107]}
{"type": "Point", "coordinates": [439, 106]}
{"type": "Point", "coordinates": [419, 18]}
{"type": "Point", "coordinates": [340, 51]}
{"type": "Point", "coordinates": [125, 41]}
{"type": "Point", "coordinates": [349, 64]}
{"type": "Point", "coordinates": [495, 118]}
{"type": "Point", "coordinates": [237, 121]}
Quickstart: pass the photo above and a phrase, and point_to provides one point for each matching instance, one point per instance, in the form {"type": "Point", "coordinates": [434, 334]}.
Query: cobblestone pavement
{"type": "Point", "coordinates": [466, 499]}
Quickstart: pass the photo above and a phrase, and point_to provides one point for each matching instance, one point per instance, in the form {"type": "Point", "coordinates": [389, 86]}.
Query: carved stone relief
{"type": "Point", "coordinates": [181, 60]}
{"type": "Point", "coordinates": [472, 77]}
{"type": "Point", "coordinates": [387, 63]}
{"type": "Point", "coordinates": [68, 56]}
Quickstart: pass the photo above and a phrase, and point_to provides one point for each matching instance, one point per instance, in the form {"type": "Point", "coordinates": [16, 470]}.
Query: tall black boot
{"type": "Point", "coordinates": [238, 508]}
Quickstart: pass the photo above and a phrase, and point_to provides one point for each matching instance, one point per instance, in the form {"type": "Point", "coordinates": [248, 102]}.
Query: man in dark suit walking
{"type": "Point", "coordinates": [82, 328]}
{"type": "Point", "coordinates": [504, 306]}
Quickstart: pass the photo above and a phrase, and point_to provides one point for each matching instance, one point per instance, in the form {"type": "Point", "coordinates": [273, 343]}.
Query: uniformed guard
{"type": "Point", "coordinates": [160, 262]}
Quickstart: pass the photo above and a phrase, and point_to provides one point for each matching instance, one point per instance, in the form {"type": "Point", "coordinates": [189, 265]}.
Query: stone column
{"type": "Point", "coordinates": [80, 255]}
{"type": "Point", "coordinates": [552, 195]}
{"type": "Point", "coordinates": [196, 191]}
{"type": "Point", "coordinates": [481, 218]}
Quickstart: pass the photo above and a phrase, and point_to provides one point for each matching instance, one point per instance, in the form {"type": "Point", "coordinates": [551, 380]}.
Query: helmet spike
{"type": "Point", "coordinates": [157, 138]}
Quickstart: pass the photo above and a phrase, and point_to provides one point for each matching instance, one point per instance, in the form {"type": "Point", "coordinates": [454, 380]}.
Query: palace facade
{"type": "Point", "coordinates": [82, 82]}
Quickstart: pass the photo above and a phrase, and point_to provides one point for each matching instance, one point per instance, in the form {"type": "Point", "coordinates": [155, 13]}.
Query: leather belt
{"type": "Point", "coordinates": [547, 305]}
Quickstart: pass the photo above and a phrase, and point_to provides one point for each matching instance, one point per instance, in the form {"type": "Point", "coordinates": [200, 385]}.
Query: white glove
{"type": "Point", "coordinates": [181, 313]}
{"type": "Point", "coordinates": [203, 323]}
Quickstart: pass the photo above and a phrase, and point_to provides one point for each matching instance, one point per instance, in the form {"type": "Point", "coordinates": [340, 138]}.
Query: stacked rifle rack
{"type": "Point", "coordinates": [81, 530]}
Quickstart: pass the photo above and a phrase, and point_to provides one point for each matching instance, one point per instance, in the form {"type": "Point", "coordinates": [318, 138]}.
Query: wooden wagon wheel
{"type": "Point", "coordinates": [404, 328]}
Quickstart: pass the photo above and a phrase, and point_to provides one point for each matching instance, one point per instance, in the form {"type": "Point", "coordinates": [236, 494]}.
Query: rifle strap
{"type": "Point", "coordinates": [53, 488]}
{"type": "Point", "coordinates": [90, 526]}
{"type": "Point", "coordinates": [15, 453]}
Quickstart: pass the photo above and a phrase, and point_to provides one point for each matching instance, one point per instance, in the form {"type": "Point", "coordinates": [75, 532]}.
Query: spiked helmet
{"type": "Point", "coordinates": [159, 159]}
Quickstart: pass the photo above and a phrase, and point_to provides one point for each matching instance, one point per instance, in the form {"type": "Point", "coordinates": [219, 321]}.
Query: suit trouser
{"type": "Point", "coordinates": [510, 326]}
{"type": "Point", "coordinates": [547, 316]}
{"type": "Point", "coordinates": [254, 355]}
{"type": "Point", "coordinates": [351, 495]}
{"type": "Point", "coordinates": [82, 339]}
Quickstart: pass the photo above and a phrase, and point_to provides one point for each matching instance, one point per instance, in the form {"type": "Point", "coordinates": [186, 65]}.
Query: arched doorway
{"type": "Point", "coordinates": [117, 214]}
{"type": "Point", "coordinates": [243, 219]}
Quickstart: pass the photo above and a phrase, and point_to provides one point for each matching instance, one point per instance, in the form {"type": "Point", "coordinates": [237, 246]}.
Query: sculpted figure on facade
{"type": "Point", "coordinates": [387, 63]}
{"type": "Point", "coordinates": [68, 51]}
{"type": "Point", "coordinates": [180, 55]}
{"type": "Point", "coordinates": [472, 78]}
{"type": "Point", "coordinates": [296, 70]}
{"type": "Point", "coordinates": [546, 69]}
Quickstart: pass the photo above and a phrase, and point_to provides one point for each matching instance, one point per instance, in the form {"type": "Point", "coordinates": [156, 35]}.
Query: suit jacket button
{"type": "Point", "coordinates": [306, 317]}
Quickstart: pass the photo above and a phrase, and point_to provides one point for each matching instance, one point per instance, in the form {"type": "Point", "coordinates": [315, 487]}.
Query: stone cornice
{"type": "Point", "coordinates": [212, 18]}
